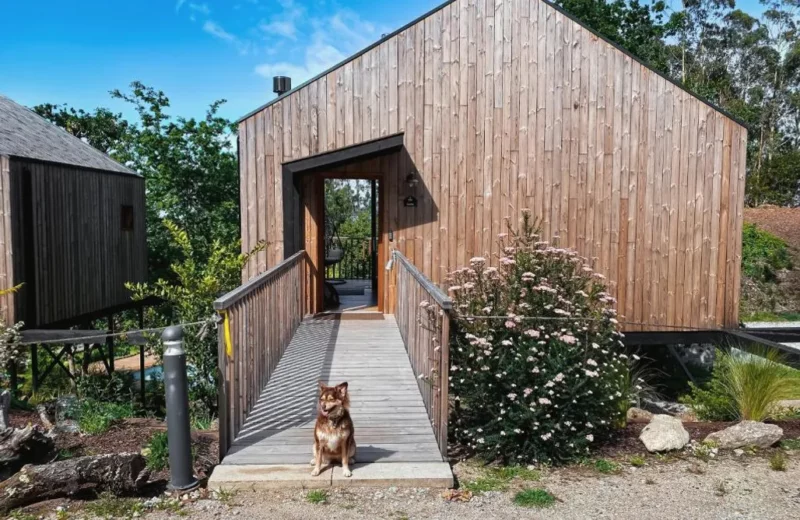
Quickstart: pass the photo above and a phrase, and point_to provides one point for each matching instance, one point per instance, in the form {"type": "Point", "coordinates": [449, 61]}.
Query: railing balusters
{"type": "Point", "coordinates": [263, 315]}
{"type": "Point", "coordinates": [426, 335]}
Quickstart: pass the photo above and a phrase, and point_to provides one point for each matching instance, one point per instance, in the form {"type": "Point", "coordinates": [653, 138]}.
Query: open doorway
{"type": "Point", "coordinates": [351, 234]}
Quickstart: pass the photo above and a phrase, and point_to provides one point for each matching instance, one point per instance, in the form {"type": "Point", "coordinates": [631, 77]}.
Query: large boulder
{"type": "Point", "coordinates": [664, 433]}
{"type": "Point", "coordinates": [747, 433]}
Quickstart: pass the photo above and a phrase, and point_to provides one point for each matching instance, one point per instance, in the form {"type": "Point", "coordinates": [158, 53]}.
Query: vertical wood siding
{"type": "Point", "coordinates": [7, 279]}
{"type": "Point", "coordinates": [509, 104]}
{"type": "Point", "coordinates": [81, 256]}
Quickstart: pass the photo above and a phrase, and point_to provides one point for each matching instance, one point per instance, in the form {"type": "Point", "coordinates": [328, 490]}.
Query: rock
{"type": "Point", "coordinates": [664, 433]}
{"type": "Point", "coordinates": [738, 452]}
{"type": "Point", "coordinates": [665, 407]}
{"type": "Point", "coordinates": [747, 433]}
{"type": "Point", "coordinates": [637, 414]}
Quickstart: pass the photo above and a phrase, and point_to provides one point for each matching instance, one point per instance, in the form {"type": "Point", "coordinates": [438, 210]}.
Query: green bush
{"type": "Point", "coordinates": [115, 388]}
{"type": "Point", "coordinates": [744, 386]}
{"type": "Point", "coordinates": [157, 452]}
{"type": "Point", "coordinates": [97, 417]}
{"type": "Point", "coordinates": [763, 254]}
{"type": "Point", "coordinates": [541, 384]}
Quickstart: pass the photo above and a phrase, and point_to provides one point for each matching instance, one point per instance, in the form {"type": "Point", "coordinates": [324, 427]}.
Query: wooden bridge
{"type": "Point", "coordinates": [272, 353]}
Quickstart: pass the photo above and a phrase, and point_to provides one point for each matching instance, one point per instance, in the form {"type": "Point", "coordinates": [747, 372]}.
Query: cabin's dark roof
{"type": "Point", "coordinates": [24, 133]}
{"type": "Point", "coordinates": [448, 2]}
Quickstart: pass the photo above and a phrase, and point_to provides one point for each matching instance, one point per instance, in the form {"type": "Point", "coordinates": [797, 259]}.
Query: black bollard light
{"type": "Point", "coordinates": [178, 428]}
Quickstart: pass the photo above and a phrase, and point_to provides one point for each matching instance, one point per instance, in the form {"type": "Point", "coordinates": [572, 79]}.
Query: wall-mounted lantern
{"type": "Point", "coordinates": [412, 179]}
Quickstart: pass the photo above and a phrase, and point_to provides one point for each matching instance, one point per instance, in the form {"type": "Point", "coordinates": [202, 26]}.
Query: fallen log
{"type": "Point", "coordinates": [122, 474]}
{"type": "Point", "coordinates": [23, 446]}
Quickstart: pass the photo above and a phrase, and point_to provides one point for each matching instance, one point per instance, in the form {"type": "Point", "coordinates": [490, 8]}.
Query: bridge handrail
{"type": "Point", "coordinates": [423, 316]}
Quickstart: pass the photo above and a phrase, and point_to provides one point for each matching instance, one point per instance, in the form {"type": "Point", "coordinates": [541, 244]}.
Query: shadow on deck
{"type": "Point", "coordinates": [391, 423]}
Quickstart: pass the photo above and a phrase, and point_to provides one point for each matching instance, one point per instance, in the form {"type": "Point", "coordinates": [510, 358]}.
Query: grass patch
{"type": "Point", "coordinates": [19, 515]}
{"type": "Point", "coordinates": [637, 461]}
{"type": "Point", "coordinates": [790, 444]}
{"type": "Point", "coordinates": [487, 483]}
{"type": "Point", "coordinates": [157, 452]}
{"type": "Point", "coordinates": [606, 466]}
{"type": "Point", "coordinates": [763, 254]}
{"type": "Point", "coordinates": [66, 454]}
{"type": "Point", "coordinates": [317, 496]}
{"type": "Point", "coordinates": [778, 461]}
{"type": "Point", "coordinates": [225, 496]}
{"type": "Point", "coordinates": [771, 316]}
{"type": "Point", "coordinates": [536, 497]}
{"type": "Point", "coordinates": [97, 417]}
{"type": "Point", "coordinates": [109, 506]}
{"type": "Point", "coordinates": [512, 472]}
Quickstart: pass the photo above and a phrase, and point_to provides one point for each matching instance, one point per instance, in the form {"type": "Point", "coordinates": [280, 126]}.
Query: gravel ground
{"type": "Point", "coordinates": [742, 487]}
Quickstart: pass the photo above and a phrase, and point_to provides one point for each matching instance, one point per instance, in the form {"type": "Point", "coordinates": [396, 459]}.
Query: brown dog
{"type": "Point", "coordinates": [333, 433]}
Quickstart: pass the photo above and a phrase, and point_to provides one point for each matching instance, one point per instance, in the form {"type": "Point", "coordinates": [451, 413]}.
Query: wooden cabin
{"type": "Point", "coordinates": [497, 106]}
{"type": "Point", "coordinates": [72, 224]}
{"type": "Point", "coordinates": [462, 118]}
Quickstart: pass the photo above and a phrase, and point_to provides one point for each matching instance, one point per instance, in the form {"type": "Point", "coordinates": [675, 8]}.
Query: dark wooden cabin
{"type": "Point", "coordinates": [72, 223]}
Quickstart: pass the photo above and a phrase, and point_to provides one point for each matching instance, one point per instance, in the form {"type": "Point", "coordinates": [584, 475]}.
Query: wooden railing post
{"type": "Point", "coordinates": [427, 344]}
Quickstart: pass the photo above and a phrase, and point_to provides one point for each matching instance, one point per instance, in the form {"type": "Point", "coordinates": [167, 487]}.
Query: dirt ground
{"type": "Point", "coordinates": [743, 487]}
{"type": "Point", "coordinates": [676, 485]}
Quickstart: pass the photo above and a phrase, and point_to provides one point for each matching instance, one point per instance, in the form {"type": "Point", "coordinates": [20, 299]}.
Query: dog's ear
{"type": "Point", "coordinates": [342, 389]}
{"type": "Point", "coordinates": [322, 386]}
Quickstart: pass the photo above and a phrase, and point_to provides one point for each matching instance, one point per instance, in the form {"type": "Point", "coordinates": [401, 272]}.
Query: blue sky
{"type": "Point", "coordinates": [75, 51]}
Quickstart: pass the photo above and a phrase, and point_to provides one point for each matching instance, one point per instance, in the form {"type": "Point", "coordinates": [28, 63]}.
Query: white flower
{"type": "Point", "coordinates": [590, 437]}
{"type": "Point", "coordinates": [480, 441]}
{"type": "Point", "coordinates": [527, 392]}
{"type": "Point", "coordinates": [559, 377]}
{"type": "Point", "coordinates": [512, 396]}
{"type": "Point", "coordinates": [549, 384]}
{"type": "Point", "coordinates": [517, 430]}
{"type": "Point", "coordinates": [503, 433]}
{"type": "Point", "coordinates": [544, 400]}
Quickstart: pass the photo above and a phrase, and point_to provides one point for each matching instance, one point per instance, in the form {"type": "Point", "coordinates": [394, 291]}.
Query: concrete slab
{"type": "Point", "coordinates": [272, 476]}
{"type": "Point", "coordinates": [400, 474]}
{"type": "Point", "coordinates": [268, 476]}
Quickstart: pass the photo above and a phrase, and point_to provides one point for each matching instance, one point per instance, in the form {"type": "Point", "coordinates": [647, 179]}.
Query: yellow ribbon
{"type": "Point", "coordinates": [226, 327]}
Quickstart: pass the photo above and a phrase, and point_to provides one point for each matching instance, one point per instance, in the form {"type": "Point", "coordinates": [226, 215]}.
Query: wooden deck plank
{"type": "Point", "coordinates": [390, 419]}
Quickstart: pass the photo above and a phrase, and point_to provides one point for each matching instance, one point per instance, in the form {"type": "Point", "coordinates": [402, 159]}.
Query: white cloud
{"type": "Point", "coordinates": [284, 28]}
{"type": "Point", "coordinates": [200, 8]}
{"type": "Point", "coordinates": [179, 4]}
{"type": "Point", "coordinates": [333, 39]}
{"type": "Point", "coordinates": [216, 30]}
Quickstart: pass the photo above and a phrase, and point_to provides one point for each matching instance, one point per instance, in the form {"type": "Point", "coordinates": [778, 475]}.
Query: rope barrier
{"type": "Point", "coordinates": [112, 334]}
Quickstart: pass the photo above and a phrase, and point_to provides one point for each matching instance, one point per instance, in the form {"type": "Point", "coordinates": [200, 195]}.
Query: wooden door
{"type": "Point", "coordinates": [314, 237]}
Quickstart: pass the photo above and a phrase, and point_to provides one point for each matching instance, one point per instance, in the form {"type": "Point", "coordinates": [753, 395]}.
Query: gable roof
{"type": "Point", "coordinates": [24, 133]}
{"type": "Point", "coordinates": [448, 2]}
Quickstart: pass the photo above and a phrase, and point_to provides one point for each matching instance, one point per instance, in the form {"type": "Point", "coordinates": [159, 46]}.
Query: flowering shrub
{"type": "Point", "coordinates": [537, 369]}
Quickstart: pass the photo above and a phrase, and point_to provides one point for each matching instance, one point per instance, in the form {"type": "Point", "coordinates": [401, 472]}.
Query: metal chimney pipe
{"type": "Point", "coordinates": [281, 85]}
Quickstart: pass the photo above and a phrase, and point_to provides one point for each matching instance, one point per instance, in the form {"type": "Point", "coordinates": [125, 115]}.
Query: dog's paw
{"type": "Point", "coordinates": [347, 473]}
{"type": "Point", "coordinates": [315, 472]}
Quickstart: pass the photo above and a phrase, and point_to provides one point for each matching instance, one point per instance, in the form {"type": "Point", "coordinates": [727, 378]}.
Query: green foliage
{"type": "Point", "coordinates": [555, 383]}
{"type": "Point", "coordinates": [607, 466]}
{"type": "Point", "coordinates": [97, 417]}
{"type": "Point", "coordinates": [777, 461]}
{"type": "Point", "coordinates": [757, 382]}
{"type": "Point", "coordinates": [763, 254]}
{"type": "Point", "coordinates": [109, 506]}
{"type": "Point", "coordinates": [486, 483]}
{"type": "Point", "coordinates": [317, 496]}
{"type": "Point", "coordinates": [196, 281]}
{"type": "Point", "coordinates": [744, 386]}
{"type": "Point", "coordinates": [115, 388]}
{"type": "Point", "coordinates": [512, 472]}
{"type": "Point", "coordinates": [100, 128]}
{"type": "Point", "coordinates": [637, 461]}
{"type": "Point", "coordinates": [770, 316]}
{"type": "Point", "coordinates": [790, 444]}
{"type": "Point", "coordinates": [711, 401]}
{"type": "Point", "coordinates": [157, 452]}
{"type": "Point", "coordinates": [536, 497]}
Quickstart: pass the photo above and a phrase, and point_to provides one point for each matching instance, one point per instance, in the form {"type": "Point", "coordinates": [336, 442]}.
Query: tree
{"type": "Point", "coordinates": [102, 128]}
